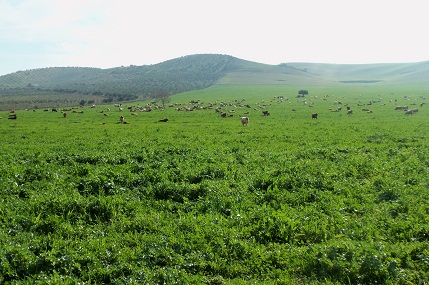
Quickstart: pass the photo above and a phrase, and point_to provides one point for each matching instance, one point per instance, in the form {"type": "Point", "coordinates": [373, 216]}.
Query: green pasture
{"type": "Point", "coordinates": [202, 199]}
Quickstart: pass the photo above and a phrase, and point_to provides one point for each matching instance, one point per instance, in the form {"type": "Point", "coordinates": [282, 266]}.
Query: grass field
{"type": "Point", "coordinates": [202, 199]}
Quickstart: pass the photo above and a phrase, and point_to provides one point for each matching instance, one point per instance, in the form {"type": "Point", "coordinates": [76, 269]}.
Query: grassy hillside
{"type": "Point", "coordinates": [387, 73]}
{"type": "Point", "coordinates": [61, 86]}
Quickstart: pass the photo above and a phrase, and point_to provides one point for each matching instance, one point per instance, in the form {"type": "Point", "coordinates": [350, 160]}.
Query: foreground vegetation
{"type": "Point", "coordinates": [202, 199]}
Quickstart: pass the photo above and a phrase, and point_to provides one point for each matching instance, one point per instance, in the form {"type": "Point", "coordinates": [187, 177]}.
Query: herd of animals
{"type": "Point", "coordinates": [223, 109]}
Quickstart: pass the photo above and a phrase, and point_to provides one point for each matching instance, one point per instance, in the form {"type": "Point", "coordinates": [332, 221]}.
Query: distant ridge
{"type": "Point", "coordinates": [379, 72]}
{"type": "Point", "coordinates": [174, 76]}
{"type": "Point", "coordinates": [68, 85]}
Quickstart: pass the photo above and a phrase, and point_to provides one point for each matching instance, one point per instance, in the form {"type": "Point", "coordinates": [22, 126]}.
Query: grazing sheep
{"type": "Point", "coordinates": [349, 112]}
{"type": "Point", "coordinates": [65, 115]}
{"type": "Point", "coordinates": [410, 112]}
{"type": "Point", "coordinates": [314, 116]}
{"type": "Point", "coordinates": [404, 108]}
{"type": "Point", "coordinates": [245, 120]}
{"type": "Point", "coordinates": [121, 119]}
{"type": "Point", "coordinates": [266, 113]}
{"type": "Point", "coordinates": [163, 120]}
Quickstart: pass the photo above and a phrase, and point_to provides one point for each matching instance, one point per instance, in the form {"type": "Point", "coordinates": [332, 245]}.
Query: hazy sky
{"type": "Point", "coordinates": [110, 33]}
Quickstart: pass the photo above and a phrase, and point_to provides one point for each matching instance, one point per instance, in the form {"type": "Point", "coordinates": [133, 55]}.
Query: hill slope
{"type": "Point", "coordinates": [176, 75]}
{"type": "Point", "coordinates": [387, 73]}
{"type": "Point", "coordinates": [70, 85]}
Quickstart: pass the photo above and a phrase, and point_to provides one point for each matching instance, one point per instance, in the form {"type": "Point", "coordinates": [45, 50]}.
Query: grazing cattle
{"type": "Point", "coordinates": [266, 113]}
{"type": "Point", "coordinates": [12, 117]}
{"type": "Point", "coordinates": [245, 120]}
{"type": "Point", "coordinates": [314, 116]}
{"type": "Point", "coordinates": [121, 119]}
{"type": "Point", "coordinates": [349, 112]}
{"type": "Point", "coordinates": [163, 120]}
{"type": "Point", "coordinates": [54, 110]}
{"type": "Point", "coordinates": [65, 115]}
{"type": "Point", "coordinates": [223, 115]}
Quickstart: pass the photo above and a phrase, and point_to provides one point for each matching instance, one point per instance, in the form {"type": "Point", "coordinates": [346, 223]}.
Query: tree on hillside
{"type": "Point", "coordinates": [302, 93]}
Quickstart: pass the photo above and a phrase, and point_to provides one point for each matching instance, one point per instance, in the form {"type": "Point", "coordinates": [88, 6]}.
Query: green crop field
{"type": "Point", "coordinates": [202, 199]}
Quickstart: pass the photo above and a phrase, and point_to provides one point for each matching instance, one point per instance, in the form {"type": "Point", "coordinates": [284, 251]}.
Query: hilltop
{"type": "Point", "coordinates": [76, 85]}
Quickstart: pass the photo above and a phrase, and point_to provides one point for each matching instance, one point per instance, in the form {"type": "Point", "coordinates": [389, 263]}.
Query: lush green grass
{"type": "Point", "coordinates": [204, 200]}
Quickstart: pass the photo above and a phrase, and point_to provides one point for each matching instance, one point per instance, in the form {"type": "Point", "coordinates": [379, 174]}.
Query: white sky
{"type": "Point", "coordinates": [110, 33]}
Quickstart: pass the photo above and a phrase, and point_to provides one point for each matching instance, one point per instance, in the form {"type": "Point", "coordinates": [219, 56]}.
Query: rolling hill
{"type": "Point", "coordinates": [74, 85]}
{"type": "Point", "coordinates": [385, 73]}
